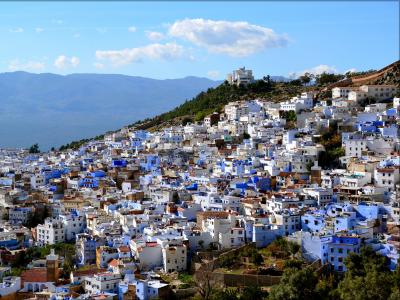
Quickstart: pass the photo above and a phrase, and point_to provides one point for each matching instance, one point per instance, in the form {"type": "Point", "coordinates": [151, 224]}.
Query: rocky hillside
{"type": "Point", "coordinates": [387, 75]}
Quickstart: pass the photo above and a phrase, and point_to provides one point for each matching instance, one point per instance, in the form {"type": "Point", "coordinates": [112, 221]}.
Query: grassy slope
{"type": "Point", "coordinates": [214, 99]}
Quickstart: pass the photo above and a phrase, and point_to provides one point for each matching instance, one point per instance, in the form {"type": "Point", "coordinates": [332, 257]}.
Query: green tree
{"type": "Point", "coordinates": [295, 285]}
{"type": "Point", "coordinates": [328, 78]}
{"type": "Point", "coordinates": [257, 259]}
{"type": "Point", "coordinates": [246, 136]}
{"type": "Point", "coordinates": [201, 244]}
{"type": "Point", "coordinates": [34, 148]}
{"type": "Point", "coordinates": [327, 287]}
{"type": "Point", "coordinates": [306, 78]}
{"type": "Point", "coordinates": [252, 293]}
{"type": "Point", "coordinates": [368, 277]}
{"type": "Point", "coordinates": [293, 264]}
{"type": "Point", "coordinates": [227, 294]}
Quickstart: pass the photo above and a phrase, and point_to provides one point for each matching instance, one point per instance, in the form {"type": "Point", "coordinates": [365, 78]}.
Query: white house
{"type": "Point", "coordinates": [51, 232]}
{"type": "Point", "coordinates": [102, 282]}
{"type": "Point", "coordinates": [174, 257]}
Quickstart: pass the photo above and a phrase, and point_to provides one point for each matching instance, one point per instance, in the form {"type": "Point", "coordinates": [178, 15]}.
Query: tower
{"type": "Point", "coordinates": [52, 267]}
{"type": "Point", "coordinates": [316, 173]}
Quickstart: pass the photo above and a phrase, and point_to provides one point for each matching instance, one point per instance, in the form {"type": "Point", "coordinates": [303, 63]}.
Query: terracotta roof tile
{"type": "Point", "coordinates": [34, 275]}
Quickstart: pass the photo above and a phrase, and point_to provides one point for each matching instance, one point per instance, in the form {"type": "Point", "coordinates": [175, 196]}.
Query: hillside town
{"type": "Point", "coordinates": [134, 214]}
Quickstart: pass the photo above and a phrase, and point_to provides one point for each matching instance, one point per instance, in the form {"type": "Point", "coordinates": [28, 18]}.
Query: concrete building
{"type": "Point", "coordinates": [240, 76]}
{"type": "Point", "coordinates": [51, 232]}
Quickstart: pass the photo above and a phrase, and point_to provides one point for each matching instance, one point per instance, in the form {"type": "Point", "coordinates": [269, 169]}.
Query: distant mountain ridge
{"type": "Point", "coordinates": [52, 109]}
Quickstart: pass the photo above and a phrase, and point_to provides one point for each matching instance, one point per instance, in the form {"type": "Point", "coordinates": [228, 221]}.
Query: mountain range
{"type": "Point", "coordinates": [52, 109]}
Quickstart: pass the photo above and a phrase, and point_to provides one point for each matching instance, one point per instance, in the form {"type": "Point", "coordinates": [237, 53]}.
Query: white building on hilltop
{"type": "Point", "coordinates": [240, 76]}
{"type": "Point", "coordinates": [378, 92]}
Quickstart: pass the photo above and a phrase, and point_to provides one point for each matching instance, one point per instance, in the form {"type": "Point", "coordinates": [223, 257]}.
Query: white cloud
{"type": "Point", "coordinates": [132, 29]}
{"type": "Point", "coordinates": [76, 35]}
{"type": "Point", "coordinates": [155, 51]}
{"type": "Point", "coordinates": [39, 29]}
{"type": "Point", "coordinates": [63, 62]}
{"type": "Point", "coordinates": [154, 35]}
{"type": "Point", "coordinates": [233, 38]}
{"type": "Point", "coordinates": [352, 70]}
{"type": "Point", "coordinates": [17, 30]}
{"type": "Point", "coordinates": [317, 70]}
{"type": "Point", "coordinates": [213, 74]}
{"type": "Point", "coordinates": [17, 65]}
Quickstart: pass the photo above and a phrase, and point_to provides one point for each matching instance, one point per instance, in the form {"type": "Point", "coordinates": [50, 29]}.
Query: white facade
{"type": "Point", "coordinates": [341, 92]}
{"type": "Point", "coordinates": [51, 232]}
{"type": "Point", "coordinates": [102, 282]}
{"type": "Point", "coordinates": [73, 225]}
{"type": "Point", "coordinates": [387, 178]}
{"type": "Point", "coordinates": [378, 92]}
{"type": "Point", "coordinates": [174, 258]}
{"type": "Point", "coordinates": [355, 147]}
{"type": "Point", "coordinates": [396, 102]}
{"type": "Point", "coordinates": [235, 111]}
{"type": "Point", "coordinates": [240, 76]}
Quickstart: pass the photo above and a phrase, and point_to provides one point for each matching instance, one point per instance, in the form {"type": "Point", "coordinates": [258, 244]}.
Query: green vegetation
{"type": "Point", "coordinates": [282, 248]}
{"type": "Point", "coordinates": [353, 74]}
{"type": "Point", "coordinates": [37, 217]}
{"type": "Point", "coordinates": [246, 136]}
{"type": "Point", "coordinates": [229, 260]}
{"type": "Point", "coordinates": [306, 78]}
{"type": "Point", "coordinates": [186, 279]}
{"type": "Point", "coordinates": [368, 277]}
{"type": "Point", "coordinates": [327, 78]}
{"type": "Point", "coordinates": [332, 141]}
{"type": "Point", "coordinates": [75, 145]}
{"type": "Point", "coordinates": [247, 293]}
{"type": "Point", "coordinates": [290, 115]}
{"type": "Point", "coordinates": [295, 284]}
{"type": "Point", "coordinates": [65, 250]}
{"type": "Point", "coordinates": [34, 149]}
{"type": "Point", "coordinates": [214, 99]}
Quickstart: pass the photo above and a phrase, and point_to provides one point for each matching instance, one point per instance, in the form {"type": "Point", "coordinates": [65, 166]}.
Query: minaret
{"type": "Point", "coordinates": [316, 173]}
{"type": "Point", "coordinates": [52, 266]}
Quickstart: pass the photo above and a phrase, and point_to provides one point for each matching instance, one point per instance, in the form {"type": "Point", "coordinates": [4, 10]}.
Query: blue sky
{"type": "Point", "coordinates": [177, 39]}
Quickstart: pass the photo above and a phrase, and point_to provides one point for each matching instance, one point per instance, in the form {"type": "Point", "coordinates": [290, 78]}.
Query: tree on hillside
{"type": "Point", "coordinates": [34, 148]}
{"type": "Point", "coordinates": [306, 78]}
{"type": "Point", "coordinates": [368, 277]}
{"type": "Point", "coordinates": [37, 216]}
{"type": "Point", "coordinates": [295, 285]}
{"type": "Point", "coordinates": [327, 78]}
